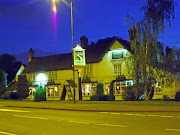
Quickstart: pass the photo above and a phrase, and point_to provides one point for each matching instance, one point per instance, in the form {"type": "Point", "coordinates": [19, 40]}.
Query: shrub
{"type": "Point", "coordinates": [177, 96]}
{"type": "Point", "coordinates": [3, 80]}
{"type": "Point", "coordinates": [7, 95]}
{"type": "Point", "coordinates": [14, 95]}
{"type": "Point", "coordinates": [100, 89]}
{"type": "Point", "coordinates": [129, 94]}
{"type": "Point", "coordinates": [40, 94]}
{"type": "Point", "coordinates": [111, 88]}
{"type": "Point", "coordinates": [22, 87]}
{"type": "Point", "coordinates": [102, 98]}
{"type": "Point", "coordinates": [166, 98]}
{"type": "Point", "coordinates": [10, 95]}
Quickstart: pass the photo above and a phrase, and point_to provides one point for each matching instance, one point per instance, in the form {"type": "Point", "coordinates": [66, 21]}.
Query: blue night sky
{"type": "Point", "coordinates": [26, 24]}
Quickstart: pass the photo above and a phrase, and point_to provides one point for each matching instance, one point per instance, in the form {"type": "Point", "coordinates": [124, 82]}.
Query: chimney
{"type": "Point", "coordinates": [31, 54]}
{"type": "Point", "coordinates": [84, 41]}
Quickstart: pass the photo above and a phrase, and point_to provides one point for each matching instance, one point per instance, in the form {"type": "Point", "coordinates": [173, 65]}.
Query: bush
{"type": "Point", "coordinates": [166, 98]}
{"type": "Point", "coordinates": [22, 87]}
{"type": "Point", "coordinates": [129, 94]}
{"type": "Point", "coordinates": [177, 96]}
{"type": "Point", "coordinates": [102, 98]}
{"type": "Point", "coordinates": [7, 95]}
{"type": "Point", "coordinates": [3, 82]}
{"type": "Point", "coordinates": [111, 88]}
{"type": "Point", "coordinates": [40, 94]}
{"type": "Point", "coordinates": [14, 95]}
{"type": "Point", "coordinates": [100, 89]}
{"type": "Point", "coordinates": [10, 95]}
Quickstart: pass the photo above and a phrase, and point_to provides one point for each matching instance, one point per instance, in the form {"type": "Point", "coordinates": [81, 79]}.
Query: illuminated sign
{"type": "Point", "coordinates": [117, 55]}
{"type": "Point", "coordinates": [79, 56]}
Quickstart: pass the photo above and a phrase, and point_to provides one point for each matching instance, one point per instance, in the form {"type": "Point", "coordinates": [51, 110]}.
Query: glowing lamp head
{"type": "Point", "coordinates": [54, 9]}
{"type": "Point", "coordinates": [41, 77]}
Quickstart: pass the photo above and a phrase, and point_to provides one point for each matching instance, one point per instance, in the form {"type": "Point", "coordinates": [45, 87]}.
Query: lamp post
{"type": "Point", "coordinates": [55, 11]}
{"type": "Point", "coordinates": [72, 50]}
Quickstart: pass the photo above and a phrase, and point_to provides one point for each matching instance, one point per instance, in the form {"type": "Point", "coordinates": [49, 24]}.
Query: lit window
{"type": "Point", "coordinates": [53, 91]}
{"type": "Point", "coordinates": [107, 88]}
{"type": "Point", "coordinates": [56, 92]}
{"type": "Point", "coordinates": [120, 87]}
{"type": "Point", "coordinates": [117, 69]}
{"type": "Point", "coordinates": [88, 89]}
{"type": "Point", "coordinates": [31, 92]}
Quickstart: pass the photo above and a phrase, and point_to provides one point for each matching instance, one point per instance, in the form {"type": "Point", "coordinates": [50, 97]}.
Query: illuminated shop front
{"type": "Point", "coordinates": [89, 89]}
{"type": "Point", "coordinates": [120, 86]}
{"type": "Point", "coordinates": [53, 90]}
{"type": "Point", "coordinates": [32, 90]}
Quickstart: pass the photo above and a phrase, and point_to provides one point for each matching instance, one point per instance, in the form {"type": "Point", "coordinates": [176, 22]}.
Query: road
{"type": "Point", "coordinates": [29, 121]}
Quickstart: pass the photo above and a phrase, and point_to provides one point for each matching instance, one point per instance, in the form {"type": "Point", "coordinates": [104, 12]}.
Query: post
{"type": "Point", "coordinates": [72, 50]}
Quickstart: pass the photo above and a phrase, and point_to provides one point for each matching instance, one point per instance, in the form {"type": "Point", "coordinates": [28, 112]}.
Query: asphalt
{"type": "Point", "coordinates": [94, 107]}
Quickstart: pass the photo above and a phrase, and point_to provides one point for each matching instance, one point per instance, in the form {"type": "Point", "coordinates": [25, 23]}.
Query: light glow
{"type": "Point", "coordinates": [41, 79]}
{"type": "Point", "coordinates": [54, 9]}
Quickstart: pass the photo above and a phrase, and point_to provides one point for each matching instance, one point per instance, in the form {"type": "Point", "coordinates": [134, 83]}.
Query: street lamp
{"type": "Point", "coordinates": [54, 8]}
{"type": "Point", "coordinates": [72, 49]}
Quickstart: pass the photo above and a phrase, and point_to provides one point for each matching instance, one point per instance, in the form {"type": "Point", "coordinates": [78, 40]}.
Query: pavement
{"type": "Point", "coordinates": [94, 107]}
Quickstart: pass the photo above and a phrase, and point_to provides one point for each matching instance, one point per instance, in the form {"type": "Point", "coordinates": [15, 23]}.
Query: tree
{"type": "Point", "coordinates": [22, 87]}
{"type": "Point", "coordinates": [3, 82]}
{"type": "Point", "coordinates": [144, 35]}
{"type": "Point", "coordinates": [9, 64]}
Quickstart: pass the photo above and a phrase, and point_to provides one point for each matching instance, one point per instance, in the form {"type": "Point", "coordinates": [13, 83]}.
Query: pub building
{"type": "Point", "coordinates": [101, 62]}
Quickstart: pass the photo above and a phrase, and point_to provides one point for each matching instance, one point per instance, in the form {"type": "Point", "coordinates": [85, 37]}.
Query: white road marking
{"type": "Point", "coordinates": [128, 114]}
{"type": "Point", "coordinates": [9, 110]}
{"type": "Point", "coordinates": [103, 112]}
{"type": "Point", "coordinates": [110, 125]}
{"type": "Point", "coordinates": [79, 122]}
{"type": "Point", "coordinates": [31, 117]}
{"type": "Point", "coordinates": [167, 116]}
{"type": "Point", "coordinates": [140, 114]}
{"type": "Point", "coordinates": [173, 130]}
{"type": "Point", "coordinates": [151, 115]}
{"type": "Point", "coordinates": [116, 113]}
{"type": "Point", "coordinates": [5, 133]}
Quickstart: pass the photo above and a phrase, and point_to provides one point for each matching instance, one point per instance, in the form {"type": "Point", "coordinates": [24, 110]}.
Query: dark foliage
{"type": "Point", "coordinates": [10, 95]}
{"type": "Point", "coordinates": [111, 89]}
{"type": "Point", "coordinates": [22, 87]}
{"type": "Point", "coordinates": [129, 94]}
{"type": "Point", "coordinates": [102, 98]}
{"type": "Point", "coordinates": [166, 98]}
{"type": "Point", "coordinates": [2, 82]}
{"type": "Point", "coordinates": [9, 64]}
{"type": "Point", "coordinates": [177, 96]}
{"type": "Point", "coordinates": [100, 89]}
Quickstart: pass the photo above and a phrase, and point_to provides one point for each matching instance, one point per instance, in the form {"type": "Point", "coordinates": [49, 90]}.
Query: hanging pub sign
{"type": "Point", "coordinates": [117, 55]}
{"type": "Point", "coordinates": [79, 56]}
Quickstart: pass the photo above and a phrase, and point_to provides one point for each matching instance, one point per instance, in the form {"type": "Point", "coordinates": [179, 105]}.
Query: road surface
{"type": "Point", "coordinates": [29, 121]}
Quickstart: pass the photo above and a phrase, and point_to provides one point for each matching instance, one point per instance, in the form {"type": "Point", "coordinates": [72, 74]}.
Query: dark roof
{"type": "Point", "coordinates": [94, 54]}
{"type": "Point", "coordinates": [49, 63]}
